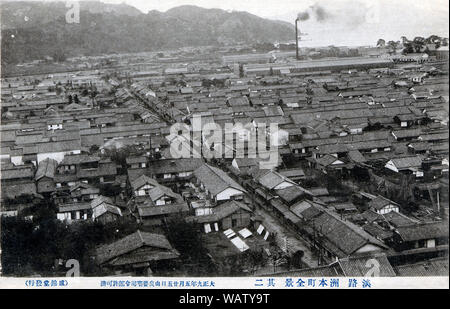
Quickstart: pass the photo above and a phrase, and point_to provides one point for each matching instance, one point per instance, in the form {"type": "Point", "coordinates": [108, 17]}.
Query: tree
{"type": "Point", "coordinates": [408, 48]}
{"type": "Point", "coordinates": [93, 149]}
{"type": "Point", "coordinates": [393, 46]}
{"type": "Point", "coordinates": [59, 55]}
{"type": "Point", "coordinates": [187, 239]}
{"type": "Point", "coordinates": [32, 246]}
{"type": "Point", "coordinates": [296, 259]}
{"type": "Point", "coordinates": [381, 43]}
{"type": "Point", "coordinates": [254, 259]}
{"type": "Point", "coordinates": [404, 40]}
{"type": "Point", "coordinates": [418, 44]}
{"type": "Point", "coordinates": [110, 190]}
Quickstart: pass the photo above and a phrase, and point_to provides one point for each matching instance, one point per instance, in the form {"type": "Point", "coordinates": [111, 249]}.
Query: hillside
{"type": "Point", "coordinates": [33, 30]}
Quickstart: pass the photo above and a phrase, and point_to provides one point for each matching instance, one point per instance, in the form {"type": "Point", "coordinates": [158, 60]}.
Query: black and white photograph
{"type": "Point", "coordinates": [224, 144]}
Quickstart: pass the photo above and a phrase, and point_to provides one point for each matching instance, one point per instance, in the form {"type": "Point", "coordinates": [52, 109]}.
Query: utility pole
{"type": "Point", "coordinates": [296, 38]}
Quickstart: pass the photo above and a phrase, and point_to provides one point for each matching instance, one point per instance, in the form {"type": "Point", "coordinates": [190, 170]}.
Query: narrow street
{"type": "Point", "coordinates": [294, 241]}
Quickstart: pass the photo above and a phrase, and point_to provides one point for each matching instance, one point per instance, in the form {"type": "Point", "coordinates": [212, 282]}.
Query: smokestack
{"type": "Point", "coordinates": [296, 39]}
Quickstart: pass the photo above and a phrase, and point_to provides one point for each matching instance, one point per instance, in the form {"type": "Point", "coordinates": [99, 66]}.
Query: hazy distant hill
{"type": "Point", "coordinates": [20, 14]}
{"type": "Point", "coordinates": [32, 30]}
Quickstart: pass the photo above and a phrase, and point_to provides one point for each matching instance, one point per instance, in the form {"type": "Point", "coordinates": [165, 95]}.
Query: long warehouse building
{"type": "Point", "coordinates": [335, 64]}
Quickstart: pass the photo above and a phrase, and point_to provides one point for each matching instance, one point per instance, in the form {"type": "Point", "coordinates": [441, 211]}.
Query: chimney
{"type": "Point", "coordinates": [296, 38]}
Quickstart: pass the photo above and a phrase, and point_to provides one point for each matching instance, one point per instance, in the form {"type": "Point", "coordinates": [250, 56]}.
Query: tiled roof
{"type": "Point", "coordinates": [215, 180]}
{"type": "Point", "coordinates": [46, 168]}
{"type": "Point", "coordinates": [423, 231]}
{"type": "Point", "coordinates": [433, 267]}
{"type": "Point", "coordinates": [271, 179]}
{"type": "Point", "coordinates": [361, 266]}
{"type": "Point", "coordinates": [221, 211]}
{"type": "Point", "coordinates": [138, 239]}
{"type": "Point", "coordinates": [143, 180]}
{"type": "Point", "coordinates": [407, 162]}
{"type": "Point", "coordinates": [379, 202]}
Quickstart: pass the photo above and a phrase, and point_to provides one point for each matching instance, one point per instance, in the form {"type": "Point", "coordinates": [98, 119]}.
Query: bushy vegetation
{"type": "Point", "coordinates": [187, 239]}
{"type": "Point", "coordinates": [31, 246]}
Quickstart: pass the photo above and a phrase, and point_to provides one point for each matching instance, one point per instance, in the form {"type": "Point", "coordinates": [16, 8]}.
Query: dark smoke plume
{"type": "Point", "coordinates": [320, 13]}
{"type": "Point", "coordinates": [303, 16]}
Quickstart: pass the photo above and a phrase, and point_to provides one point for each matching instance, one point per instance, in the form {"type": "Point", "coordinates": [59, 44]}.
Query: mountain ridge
{"type": "Point", "coordinates": [37, 29]}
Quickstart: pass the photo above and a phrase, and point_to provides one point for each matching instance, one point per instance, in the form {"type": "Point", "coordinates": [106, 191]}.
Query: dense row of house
{"type": "Point", "coordinates": [108, 155]}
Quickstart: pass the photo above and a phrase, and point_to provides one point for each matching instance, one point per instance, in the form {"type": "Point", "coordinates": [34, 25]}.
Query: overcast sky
{"type": "Point", "coordinates": [268, 7]}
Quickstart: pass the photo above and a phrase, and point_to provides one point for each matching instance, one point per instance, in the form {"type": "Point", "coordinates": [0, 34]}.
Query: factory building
{"type": "Point", "coordinates": [334, 65]}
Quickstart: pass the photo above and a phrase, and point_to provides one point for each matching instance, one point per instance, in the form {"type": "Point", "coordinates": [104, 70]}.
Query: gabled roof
{"type": "Point", "coordinates": [360, 266]}
{"type": "Point", "coordinates": [319, 191]}
{"type": "Point", "coordinates": [305, 209]}
{"type": "Point", "coordinates": [215, 180]}
{"type": "Point", "coordinates": [16, 190]}
{"type": "Point", "coordinates": [46, 168]}
{"type": "Point", "coordinates": [273, 110]}
{"type": "Point", "coordinates": [423, 231]}
{"type": "Point", "coordinates": [416, 132]}
{"type": "Point", "coordinates": [175, 166]}
{"type": "Point", "coordinates": [342, 237]}
{"type": "Point", "coordinates": [74, 207]}
{"type": "Point", "coordinates": [293, 172]}
{"type": "Point", "coordinates": [60, 146]}
{"type": "Point", "coordinates": [433, 267]}
{"type": "Point", "coordinates": [327, 160]}
{"type": "Point", "coordinates": [101, 200]}
{"type": "Point", "coordinates": [143, 180]}
{"type": "Point", "coordinates": [407, 162]}
{"type": "Point", "coordinates": [160, 191]}
{"type": "Point", "coordinates": [129, 243]}
{"type": "Point", "coordinates": [75, 106]}
{"type": "Point", "coordinates": [380, 202]}
{"type": "Point", "coordinates": [105, 208]}
{"type": "Point", "coordinates": [14, 172]}
{"type": "Point", "coordinates": [238, 101]}
{"type": "Point", "coordinates": [221, 211]}
{"type": "Point", "coordinates": [332, 270]}
{"type": "Point", "coordinates": [397, 219]}
{"type": "Point", "coordinates": [292, 193]}
{"type": "Point", "coordinates": [356, 156]}
{"type": "Point", "coordinates": [82, 185]}
{"type": "Point", "coordinates": [146, 210]}
{"type": "Point", "coordinates": [271, 179]}
{"type": "Point", "coordinates": [78, 159]}
{"type": "Point", "coordinates": [246, 162]}
{"type": "Point", "coordinates": [136, 159]}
